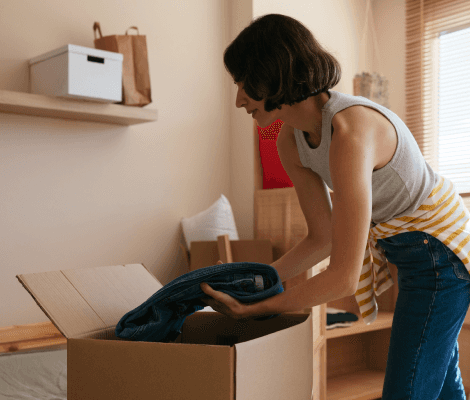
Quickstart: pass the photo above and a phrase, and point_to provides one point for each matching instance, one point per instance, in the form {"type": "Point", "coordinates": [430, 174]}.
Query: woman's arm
{"type": "Point", "coordinates": [304, 255]}
{"type": "Point", "coordinates": [352, 159]}
{"type": "Point", "coordinates": [315, 203]}
{"type": "Point", "coordinates": [352, 155]}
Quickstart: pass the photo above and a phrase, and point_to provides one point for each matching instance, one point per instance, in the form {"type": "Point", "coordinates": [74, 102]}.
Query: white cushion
{"type": "Point", "coordinates": [207, 225]}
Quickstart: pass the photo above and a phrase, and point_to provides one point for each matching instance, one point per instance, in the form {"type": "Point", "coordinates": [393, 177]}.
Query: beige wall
{"type": "Point", "coordinates": [79, 194]}
{"type": "Point", "coordinates": [337, 25]}
{"type": "Point", "coordinates": [389, 17]}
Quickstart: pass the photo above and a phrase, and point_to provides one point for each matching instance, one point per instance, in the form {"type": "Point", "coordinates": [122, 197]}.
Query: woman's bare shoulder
{"type": "Point", "coordinates": [351, 116]}
{"type": "Point", "coordinates": [359, 115]}
{"type": "Point", "coordinates": [371, 128]}
{"type": "Point", "coordinates": [286, 143]}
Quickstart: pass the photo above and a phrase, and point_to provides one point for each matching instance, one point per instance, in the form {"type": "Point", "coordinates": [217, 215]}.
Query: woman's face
{"type": "Point", "coordinates": [255, 108]}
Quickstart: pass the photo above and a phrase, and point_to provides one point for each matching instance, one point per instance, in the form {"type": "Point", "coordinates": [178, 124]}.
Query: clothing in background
{"type": "Point", "coordinates": [336, 318]}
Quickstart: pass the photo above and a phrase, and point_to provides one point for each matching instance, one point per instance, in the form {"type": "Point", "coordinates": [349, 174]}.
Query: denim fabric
{"type": "Point", "coordinates": [433, 298]}
{"type": "Point", "coordinates": [161, 316]}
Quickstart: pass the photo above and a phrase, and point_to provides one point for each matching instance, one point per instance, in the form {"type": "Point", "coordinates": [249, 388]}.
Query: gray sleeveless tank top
{"type": "Point", "coordinates": [399, 187]}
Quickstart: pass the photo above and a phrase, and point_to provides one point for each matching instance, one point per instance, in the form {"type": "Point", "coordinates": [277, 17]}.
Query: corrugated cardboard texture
{"type": "Point", "coordinates": [119, 370]}
{"type": "Point", "coordinates": [206, 253]}
{"type": "Point", "coordinates": [272, 361]}
{"type": "Point", "coordinates": [276, 366]}
{"type": "Point", "coordinates": [89, 302]}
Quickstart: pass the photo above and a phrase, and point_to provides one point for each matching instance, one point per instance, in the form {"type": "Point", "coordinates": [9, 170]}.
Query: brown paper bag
{"type": "Point", "coordinates": [135, 67]}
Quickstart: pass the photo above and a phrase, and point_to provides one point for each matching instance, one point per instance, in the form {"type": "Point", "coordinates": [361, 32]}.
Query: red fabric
{"type": "Point", "coordinates": [274, 174]}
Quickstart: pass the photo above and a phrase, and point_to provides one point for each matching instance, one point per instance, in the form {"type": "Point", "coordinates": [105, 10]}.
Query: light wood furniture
{"type": "Point", "coordinates": [353, 359]}
{"type": "Point", "coordinates": [31, 337]}
{"type": "Point", "coordinates": [55, 107]}
{"type": "Point", "coordinates": [225, 250]}
{"type": "Point", "coordinates": [206, 253]}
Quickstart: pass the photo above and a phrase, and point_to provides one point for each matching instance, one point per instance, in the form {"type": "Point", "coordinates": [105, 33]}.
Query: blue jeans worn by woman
{"type": "Point", "coordinates": [433, 298]}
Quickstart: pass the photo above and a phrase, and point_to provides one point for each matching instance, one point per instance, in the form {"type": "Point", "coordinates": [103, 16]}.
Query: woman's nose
{"type": "Point", "coordinates": [239, 101]}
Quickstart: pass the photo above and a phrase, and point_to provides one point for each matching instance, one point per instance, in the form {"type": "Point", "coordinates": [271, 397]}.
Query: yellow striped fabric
{"type": "Point", "coordinates": [443, 215]}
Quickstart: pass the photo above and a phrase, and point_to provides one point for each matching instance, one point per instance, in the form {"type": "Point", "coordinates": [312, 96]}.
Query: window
{"type": "Point", "coordinates": [438, 86]}
{"type": "Point", "coordinates": [454, 107]}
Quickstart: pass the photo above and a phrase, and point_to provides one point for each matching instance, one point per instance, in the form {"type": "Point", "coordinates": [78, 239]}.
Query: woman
{"type": "Point", "coordinates": [387, 200]}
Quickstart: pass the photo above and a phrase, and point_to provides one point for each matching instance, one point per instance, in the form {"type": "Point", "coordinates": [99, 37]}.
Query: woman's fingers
{"type": "Point", "coordinates": [206, 288]}
{"type": "Point", "coordinates": [209, 291]}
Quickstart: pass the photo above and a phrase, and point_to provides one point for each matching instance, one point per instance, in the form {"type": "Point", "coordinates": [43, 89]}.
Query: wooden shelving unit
{"type": "Point", "coordinates": [383, 321]}
{"type": "Point", "coordinates": [360, 385]}
{"type": "Point", "coordinates": [55, 107]}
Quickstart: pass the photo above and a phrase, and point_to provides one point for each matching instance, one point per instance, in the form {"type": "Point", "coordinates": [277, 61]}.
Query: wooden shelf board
{"type": "Point", "coordinates": [383, 321]}
{"type": "Point", "coordinates": [31, 337]}
{"type": "Point", "coordinates": [55, 107]}
{"type": "Point", "coordinates": [360, 385]}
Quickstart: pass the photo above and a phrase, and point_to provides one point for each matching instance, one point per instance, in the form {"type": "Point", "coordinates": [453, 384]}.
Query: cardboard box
{"type": "Point", "coordinates": [206, 253]}
{"type": "Point", "coordinates": [78, 72]}
{"type": "Point", "coordinates": [215, 357]}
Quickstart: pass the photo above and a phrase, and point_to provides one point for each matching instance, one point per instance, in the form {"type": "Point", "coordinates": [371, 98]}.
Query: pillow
{"type": "Point", "coordinates": [207, 225]}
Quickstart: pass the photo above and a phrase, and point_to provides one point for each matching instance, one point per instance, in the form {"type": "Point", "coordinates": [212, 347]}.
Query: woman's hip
{"type": "Point", "coordinates": [425, 263]}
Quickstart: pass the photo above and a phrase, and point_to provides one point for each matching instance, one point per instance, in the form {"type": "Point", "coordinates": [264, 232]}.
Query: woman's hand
{"type": "Point", "coordinates": [225, 304]}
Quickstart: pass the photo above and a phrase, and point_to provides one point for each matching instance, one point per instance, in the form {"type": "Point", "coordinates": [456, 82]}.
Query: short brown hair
{"type": "Point", "coordinates": [278, 59]}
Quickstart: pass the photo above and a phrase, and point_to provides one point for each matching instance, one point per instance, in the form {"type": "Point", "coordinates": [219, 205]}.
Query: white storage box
{"type": "Point", "coordinates": [78, 72]}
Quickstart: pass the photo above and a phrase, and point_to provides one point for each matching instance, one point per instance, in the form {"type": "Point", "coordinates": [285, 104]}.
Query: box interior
{"type": "Point", "coordinates": [212, 328]}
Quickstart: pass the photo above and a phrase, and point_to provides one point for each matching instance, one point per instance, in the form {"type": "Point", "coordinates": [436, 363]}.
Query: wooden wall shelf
{"type": "Point", "coordinates": [55, 107]}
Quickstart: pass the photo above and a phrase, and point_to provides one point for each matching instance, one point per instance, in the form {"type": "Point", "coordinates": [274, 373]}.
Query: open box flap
{"type": "Point", "coordinates": [89, 302]}
{"type": "Point", "coordinates": [276, 366]}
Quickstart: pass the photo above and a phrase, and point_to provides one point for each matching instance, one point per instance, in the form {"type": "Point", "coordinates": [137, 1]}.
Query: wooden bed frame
{"type": "Point", "coordinates": [40, 336]}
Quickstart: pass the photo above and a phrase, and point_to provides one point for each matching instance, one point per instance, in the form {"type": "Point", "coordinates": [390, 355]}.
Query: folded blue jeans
{"type": "Point", "coordinates": [433, 299]}
{"type": "Point", "coordinates": [161, 316]}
